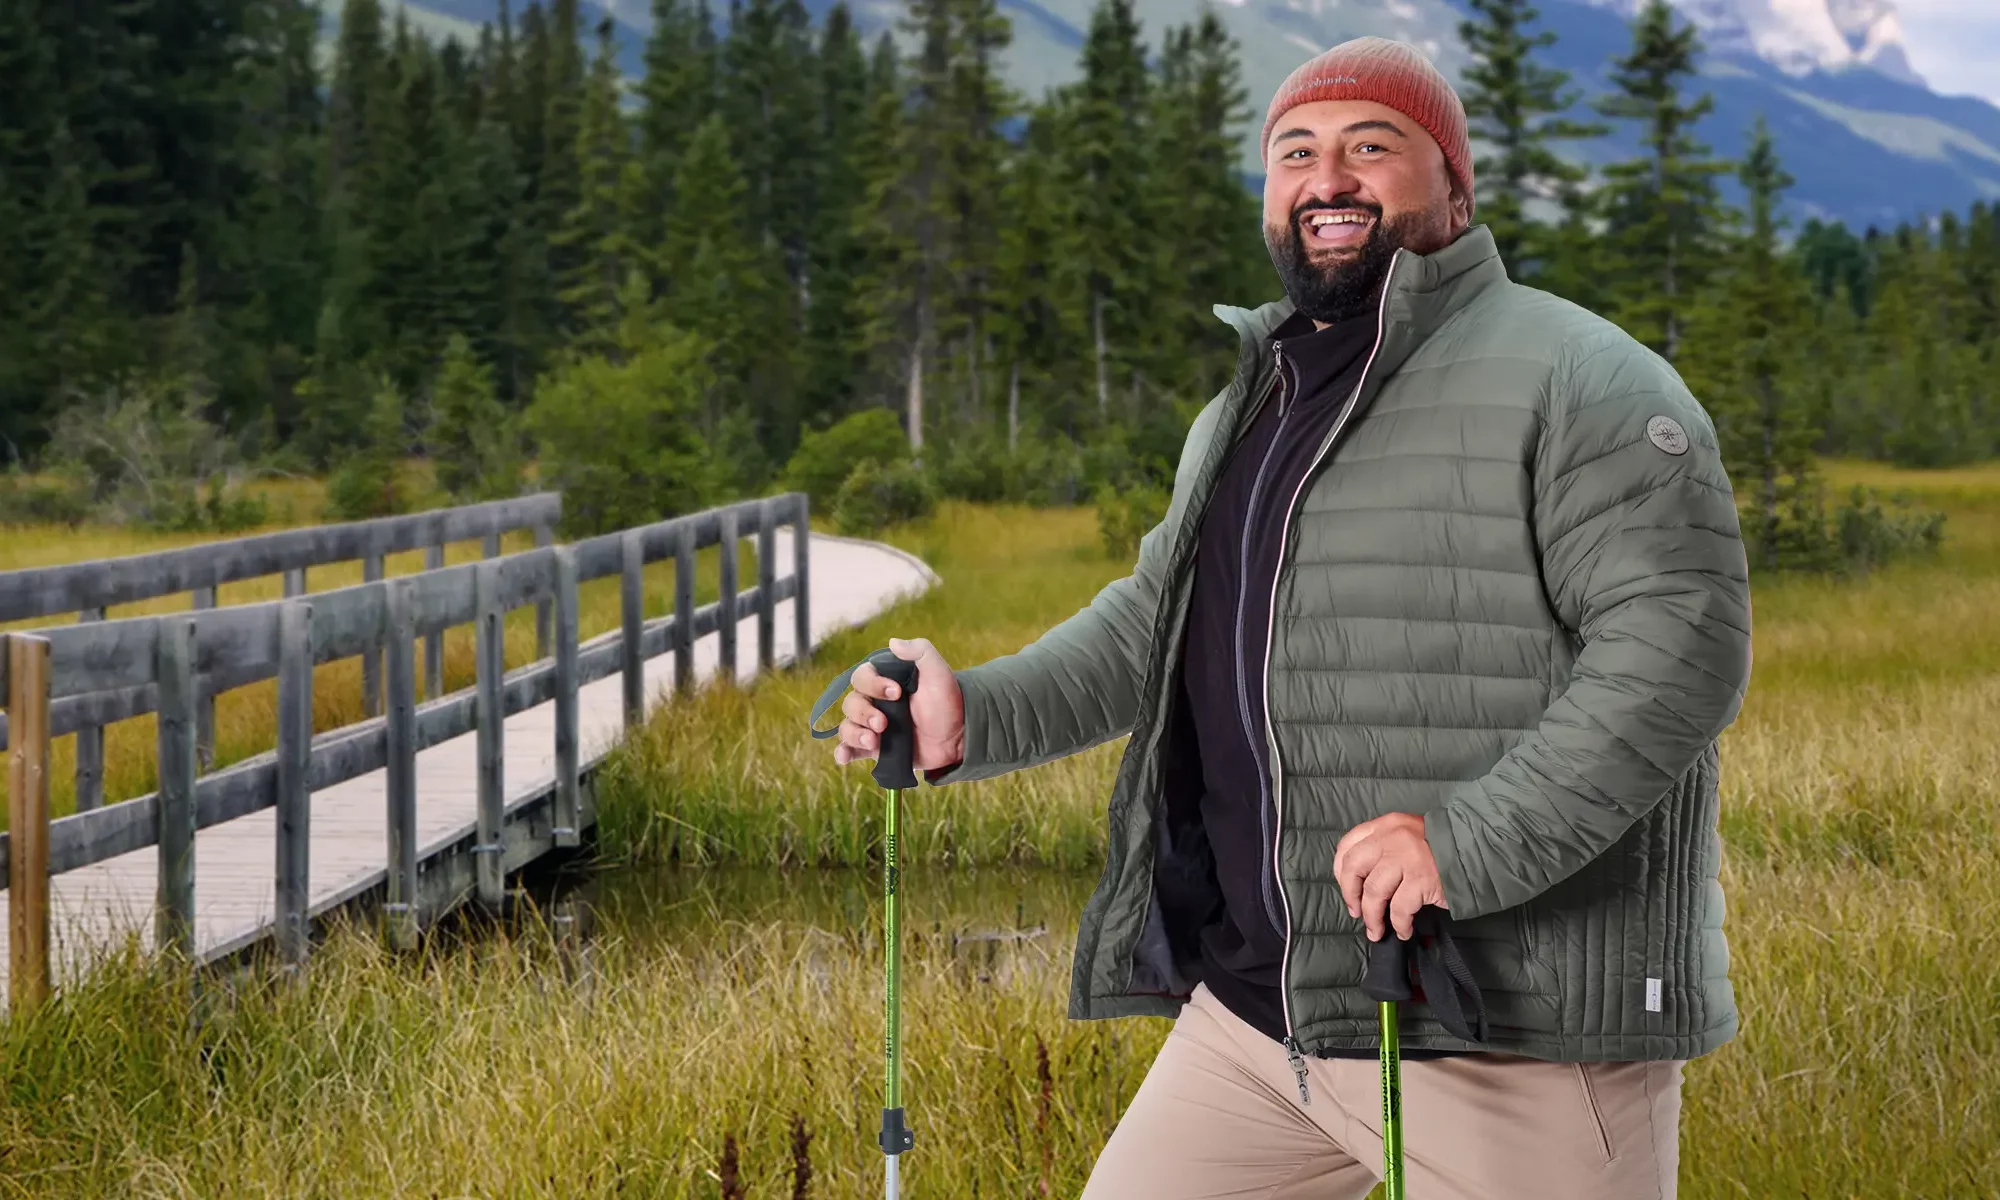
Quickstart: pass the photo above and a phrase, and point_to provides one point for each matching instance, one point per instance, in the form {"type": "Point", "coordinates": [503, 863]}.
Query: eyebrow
{"type": "Point", "coordinates": [1357, 127]}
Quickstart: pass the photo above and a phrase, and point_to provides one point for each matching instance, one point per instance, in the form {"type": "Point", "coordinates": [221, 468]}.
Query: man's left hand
{"type": "Point", "coordinates": [1385, 869]}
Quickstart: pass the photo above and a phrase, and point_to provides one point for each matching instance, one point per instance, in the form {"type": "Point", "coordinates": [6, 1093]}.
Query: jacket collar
{"type": "Point", "coordinates": [1423, 291]}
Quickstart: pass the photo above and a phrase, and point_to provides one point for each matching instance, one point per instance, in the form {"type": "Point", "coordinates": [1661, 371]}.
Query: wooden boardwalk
{"type": "Point", "coordinates": [235, 861]}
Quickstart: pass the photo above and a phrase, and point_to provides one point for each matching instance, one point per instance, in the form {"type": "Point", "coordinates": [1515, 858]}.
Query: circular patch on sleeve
{"type": "Point", "coordinates": [1667, 434]}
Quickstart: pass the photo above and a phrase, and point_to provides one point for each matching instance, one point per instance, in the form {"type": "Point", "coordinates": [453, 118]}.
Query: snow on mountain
{"type": "Point", "coordinates": [1798, 36]}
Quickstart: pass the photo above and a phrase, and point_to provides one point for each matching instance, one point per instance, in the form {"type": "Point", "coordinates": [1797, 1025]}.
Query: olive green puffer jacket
{"type": "Point", "coordinates": [1513, 597]}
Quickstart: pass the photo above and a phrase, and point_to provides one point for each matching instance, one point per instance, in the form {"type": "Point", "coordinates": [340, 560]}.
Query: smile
{"type": "Point", "coordinates": [1346, 227]}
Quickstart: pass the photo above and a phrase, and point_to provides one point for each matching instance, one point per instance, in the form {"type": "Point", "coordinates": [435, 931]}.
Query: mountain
{"type": "Point", "coordinates": [1867, 140]}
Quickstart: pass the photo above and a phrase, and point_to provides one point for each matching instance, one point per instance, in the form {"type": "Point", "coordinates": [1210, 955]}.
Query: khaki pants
{"type": "Point", "coordinates": [1218, 1115]}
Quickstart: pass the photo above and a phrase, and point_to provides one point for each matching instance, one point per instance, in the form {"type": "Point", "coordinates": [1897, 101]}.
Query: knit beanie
{"type": "Point", "coordinates": [1391, 73]}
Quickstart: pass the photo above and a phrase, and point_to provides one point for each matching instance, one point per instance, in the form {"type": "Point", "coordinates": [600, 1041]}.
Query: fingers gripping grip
{"type": "Point", "coordinates": [894, 763]}
{"type": "Point", "coordinates": [1388, 975]}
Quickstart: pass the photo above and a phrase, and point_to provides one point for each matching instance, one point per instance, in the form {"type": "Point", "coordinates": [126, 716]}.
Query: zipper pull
{"type": "Point", "coordinates": [1298, 1069]}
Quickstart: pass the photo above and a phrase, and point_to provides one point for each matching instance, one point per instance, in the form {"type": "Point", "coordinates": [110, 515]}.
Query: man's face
{"type": "Point", "coordinates": [1346, 182]}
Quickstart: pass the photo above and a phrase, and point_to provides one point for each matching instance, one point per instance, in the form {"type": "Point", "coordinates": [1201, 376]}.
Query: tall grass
{"type": "Point", "coordinates": [741, 1005]}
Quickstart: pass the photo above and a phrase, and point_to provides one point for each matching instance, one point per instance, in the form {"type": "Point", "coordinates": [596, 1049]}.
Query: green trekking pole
{"type": "Point", "coordinates": [894, 770]}
{"type": "Point", "coordinates": [1388, 983]}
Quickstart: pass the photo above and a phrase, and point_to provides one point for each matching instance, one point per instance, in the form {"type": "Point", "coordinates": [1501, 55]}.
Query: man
{"type": "Point", "coordinates": [1448, 610]}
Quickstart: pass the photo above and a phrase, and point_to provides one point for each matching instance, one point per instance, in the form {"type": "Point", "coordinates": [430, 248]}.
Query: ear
{"type": "Point", "coordinates": [1461, 206]}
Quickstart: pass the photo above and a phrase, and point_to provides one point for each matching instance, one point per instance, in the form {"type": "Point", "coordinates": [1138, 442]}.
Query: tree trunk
{"type": "Point", "coordinates": [1103, 357]}
{"type": "Point", "coordinates": [914, 410]}
{"type": "Point", "coordinates": [1014, 405]}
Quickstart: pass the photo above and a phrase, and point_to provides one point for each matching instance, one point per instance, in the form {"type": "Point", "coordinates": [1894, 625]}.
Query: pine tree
{"type": "Point", "coordinates": [676, 95]}
{"type": "Point", "coordinates": [1662, 207]}
{"type": "Point", "coordinates": [1513, 102]}
{"type": "Point", "coordinates": [835, 347]}
{"type": "Point", "coordinates": [469, 438]}
{"type": "Point", "coordinates": [975, 102]}
{"type": "Point", "coordinates": [1038, 303]}
{"type": "Point", "coordinates": [595, 236]}
{"type": "Point", "coordinates": [559, 185]}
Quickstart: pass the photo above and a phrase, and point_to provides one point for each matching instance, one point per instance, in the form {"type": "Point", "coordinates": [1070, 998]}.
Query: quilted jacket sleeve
{"type": "Point", "coordinates": [1644, 563]}
{"type": "Point", "coordinates": [1078, 684]}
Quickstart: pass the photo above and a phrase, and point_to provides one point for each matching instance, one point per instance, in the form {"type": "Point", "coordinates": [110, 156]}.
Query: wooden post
{"type": "Point", "coordinates": [725, 612]}
{"type": "Point", "coordinates": [173, 674]}
{"type": "Point", "coordinates": [544, 536]}
{"type": "Point", "coordinates": [491, 716]}
{"type": "Point", "coordinates": [632, 598]}
{"type": "Point", "coordinates": [204, 707]}
{"type": "Point", "coordinates": [802, 640]}
{"type": "Point", "coordinates": [295, 730]}
{"type": "Point", "coordinates": [684, 607]}
{"type": "Point", "coordinates": [371, 659]}
{"type": "Point", "coordinates": [28, 822]}
{"type": "Point", "coordinates": [295, 583]}
{"type": "Point", "coordinates": [489, 546]}
{"type": "Point", "coordinates": [767, 583]}
{"type": "Point", "coordinates": [89, 747]}
{"type": "Point", "coordinates": [434, 644]}
{"type": "Point", "coordinates": [400, 905]}
{"type": "Point", "coordinates": [568, 796]}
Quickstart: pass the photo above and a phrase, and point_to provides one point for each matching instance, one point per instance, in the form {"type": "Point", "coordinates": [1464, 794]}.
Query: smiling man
{"type": "Point", "coordinates": [1437, 638]}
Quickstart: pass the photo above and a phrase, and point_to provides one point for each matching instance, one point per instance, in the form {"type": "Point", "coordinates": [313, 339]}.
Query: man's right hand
{"type": "Point", "coordinates": [937, 709]}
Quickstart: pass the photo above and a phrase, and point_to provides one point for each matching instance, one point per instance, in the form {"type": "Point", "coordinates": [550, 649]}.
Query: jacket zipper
{"type": "Point", "coordinates": [1242, 599]}
{"type": "Point", "coordinates": [1292, 1052]}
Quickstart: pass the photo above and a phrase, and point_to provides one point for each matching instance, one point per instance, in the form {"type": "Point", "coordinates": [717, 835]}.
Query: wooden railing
{"type": "Point", "coordinates": [63, 679]}
{"type": "Point", "coordinates": [88, 589]}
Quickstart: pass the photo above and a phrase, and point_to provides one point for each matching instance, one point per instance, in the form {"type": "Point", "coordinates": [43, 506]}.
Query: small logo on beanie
{"type": "Point", "coordinates": [1667, 434]}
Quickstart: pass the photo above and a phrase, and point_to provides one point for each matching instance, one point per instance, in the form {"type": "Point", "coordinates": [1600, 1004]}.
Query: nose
{"type": "Point", "coordinates": [1329, 179]}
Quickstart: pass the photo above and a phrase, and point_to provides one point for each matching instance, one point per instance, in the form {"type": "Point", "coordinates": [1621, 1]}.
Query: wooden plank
{"type": "Point", "coordinates": [400, 784]}
{"type": "Point", "coordinates": [568, 819]}
{"type": "Point", "coordinates": [46, 591]}
{"type": "Point", "coordinates": [28, 680]}
{"type": "Point", "coordinates": [99, 656]}
{"type": "Point", "coordinates": [371, 660]}
{"type": "Point", "coordinates": [294, 799]}
{"type": "Point", "coordinates": [204, 712]}
{"type": "Point", "coordinates": [767, 578]}
{"type": "Point", "coordinates": [684, 610]}
{"type": "Point", "coordinates": [492, 766]}
{"type": "Point", "coordinates": [434, 643]}
{"type": "Point", "coordinates": [802, 640]}
{"type": "Point", "coordinates": [631, 599]}
{"type": "Point", "coordinates": [89, 747]}
{"type": "Point", "coordinates": [173, 906]}
{"type": "Point", "coordinates": [545, 536]}
{"type": "Point", "coordinates": [726, 631]}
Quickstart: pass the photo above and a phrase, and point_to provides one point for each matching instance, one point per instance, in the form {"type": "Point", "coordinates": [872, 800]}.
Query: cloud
{"type": "Point", "coordinates": [1954, 44]}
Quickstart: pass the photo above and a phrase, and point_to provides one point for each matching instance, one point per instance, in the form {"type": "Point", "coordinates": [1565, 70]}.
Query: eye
{"type": "Point", "coordinates": [1365, 147]}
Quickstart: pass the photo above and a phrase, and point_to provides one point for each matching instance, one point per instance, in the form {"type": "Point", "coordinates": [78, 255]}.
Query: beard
{"type": "Point", "coordinates": [1347, 286]}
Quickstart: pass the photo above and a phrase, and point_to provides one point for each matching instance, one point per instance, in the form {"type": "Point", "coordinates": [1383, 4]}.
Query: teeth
{"type": "Point", "coordinates": [1338, 219]}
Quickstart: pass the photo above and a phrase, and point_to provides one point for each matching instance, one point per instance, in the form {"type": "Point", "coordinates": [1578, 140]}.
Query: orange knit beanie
{"type": "Point", "coordinates": [1391, 73]}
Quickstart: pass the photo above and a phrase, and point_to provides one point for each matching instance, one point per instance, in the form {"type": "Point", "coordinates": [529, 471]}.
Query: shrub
{"type": "Point", "coordinates": [1852, 539]}
{"type": "Point", "coordinates": [876, 495]}
{"type": "Point", "coordinates": [619, 440]}
{"type": "Point", "coordinates": [470, 440]}
{"type": "Point", "coordinates": [369, 482]}
{"type": "Point", "coordinates": [1125, 515]}
{"type": "Point", "coordinates": [826, 457]}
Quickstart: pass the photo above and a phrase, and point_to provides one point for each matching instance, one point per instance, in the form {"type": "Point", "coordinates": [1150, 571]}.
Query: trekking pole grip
{"type": "Point", "coordinates": [1388, 976]}
{"type": "Point", "coordinates": [894, 762]}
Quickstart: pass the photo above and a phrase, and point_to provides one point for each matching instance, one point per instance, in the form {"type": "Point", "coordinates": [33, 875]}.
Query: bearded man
{"type": "Point", "coordinates": [1438, 635]}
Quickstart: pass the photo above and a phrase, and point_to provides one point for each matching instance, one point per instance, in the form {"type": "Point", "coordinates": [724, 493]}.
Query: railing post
{"type": "Point", "coordinates": [173, 674]}
{"type": "Point", "coordinates": [400, 904]}
{"type": "Point", "coordinates": [28, 817]}
{"type": "Point", "coordinates": [544, 536]}
{"type": "Point", "coordinates": [492, 715]}
{"type": "Point", "coordinates": [204, 707]}
{"type": "Point", "coordinates": [767, 584]}
{"type": "Point", "coordinates": [489, 546]}
{"type": "Point", "coordinates": [371, 659]}
{"type": "Point", "coordinates": [295, 729]}
{"type": "Point", "coordinates": [684, 606]}
{"type": "Point", "coordinates": [89, 747]}
{"type": "Point", "coordinates": [725, 610]}
{"type": "Point", "coordinates": [434, 644]}
{"type": "Point", "coordinates": [632, 598]}
{"type": "Point", "coordinates": [295, 583]}
{"type": "Point", "coordinates": [802, 641]}
{"type": "Point", "coordinates": [569, 808]}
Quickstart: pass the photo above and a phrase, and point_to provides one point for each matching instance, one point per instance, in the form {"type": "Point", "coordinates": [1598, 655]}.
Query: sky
{"type": "Point", "coordinates": [1955, 44]}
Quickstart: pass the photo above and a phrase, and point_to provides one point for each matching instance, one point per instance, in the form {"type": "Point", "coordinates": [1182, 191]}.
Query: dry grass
{"type": "Point", "coordinates": [1862, 818]}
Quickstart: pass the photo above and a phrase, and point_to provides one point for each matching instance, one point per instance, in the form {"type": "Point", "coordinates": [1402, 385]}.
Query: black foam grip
{"type": "Point", "coordinates": [893, 762]}
{"type": "Point", "coordinates": [1388, 975]}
